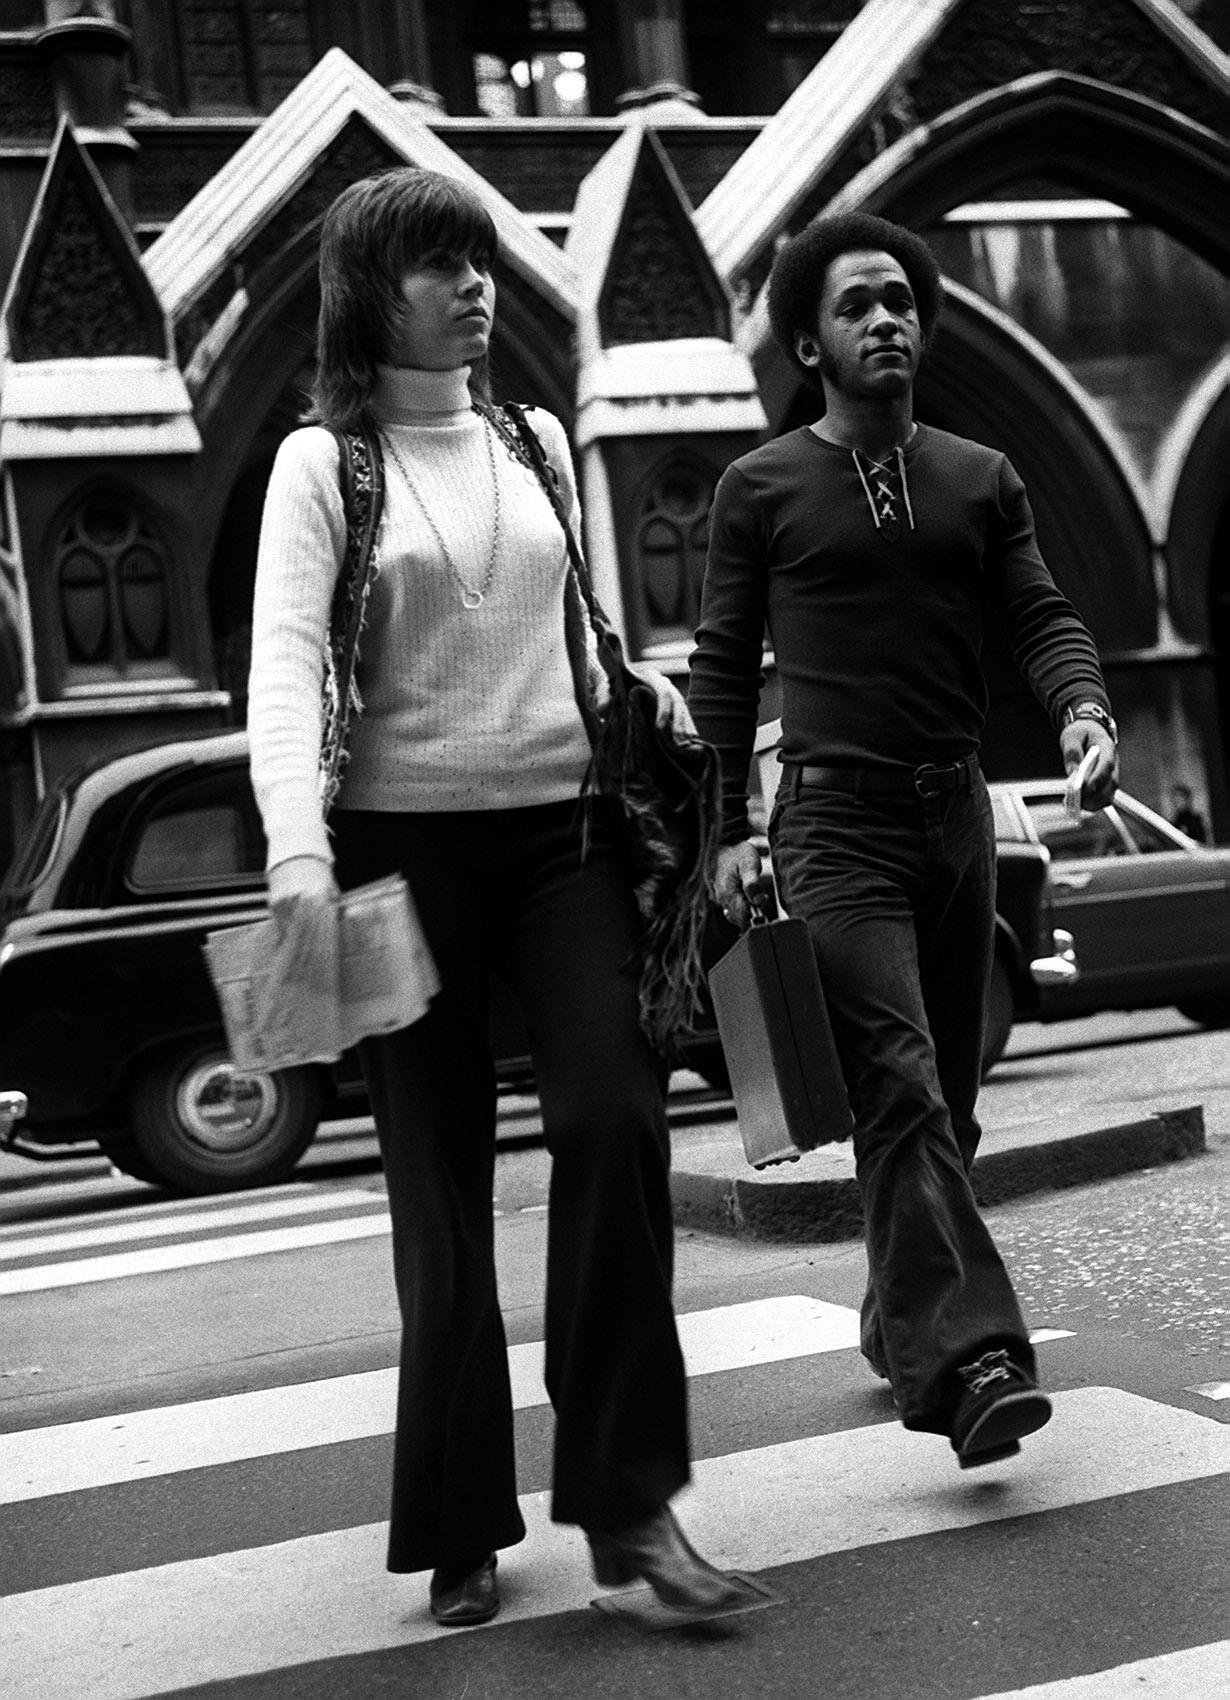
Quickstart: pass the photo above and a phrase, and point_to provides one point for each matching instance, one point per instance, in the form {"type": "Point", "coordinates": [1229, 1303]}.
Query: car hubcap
{"type": "Point", "coordinates": [224, 1108]}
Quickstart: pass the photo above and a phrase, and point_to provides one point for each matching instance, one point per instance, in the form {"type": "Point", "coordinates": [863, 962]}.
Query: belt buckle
{"type": "Point", "coordinates": [922, 774]}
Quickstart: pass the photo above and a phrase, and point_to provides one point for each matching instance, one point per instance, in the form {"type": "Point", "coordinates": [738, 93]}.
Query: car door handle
{"type": "Point", "coordinates": [1070, 882]}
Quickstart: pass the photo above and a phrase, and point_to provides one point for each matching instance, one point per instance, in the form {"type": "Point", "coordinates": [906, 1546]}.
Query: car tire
{"type": "Point", "coordinates": [1211, 1010]}
{"type": "Point", "coordinates": [123, 1155]}
{"type": "Point", "coordinates": [1001, 1010]}
{"type": "Point", "coordinates": [201, 1125]}
{"type": "Point", "coordinates": [709, 1061]}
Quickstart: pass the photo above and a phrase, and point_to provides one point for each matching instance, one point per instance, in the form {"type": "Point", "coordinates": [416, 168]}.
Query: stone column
{"type": "Point", "coordinates": [651, 34]}
{"type": "Point", "coordinates": [86, 57]}
{"type": "Point", "coordinates": [413, 50]}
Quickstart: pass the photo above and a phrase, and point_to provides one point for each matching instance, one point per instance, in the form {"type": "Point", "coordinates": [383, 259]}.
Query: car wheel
{"type": "Point", "coordinates": [202, 1125]}
{"type": "Point", "coordinates": [123, 1154]}
{"type": "Point", "coordinates": [709, 1061]}
{"type": "Point", "coordinates": [1211, 1010]}
{"type": "Point", "coordinates": [1001, 1009]}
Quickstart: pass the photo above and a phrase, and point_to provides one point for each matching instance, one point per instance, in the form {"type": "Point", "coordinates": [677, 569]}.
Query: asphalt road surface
{"type": "Point", "coordinates": [196, 1399]}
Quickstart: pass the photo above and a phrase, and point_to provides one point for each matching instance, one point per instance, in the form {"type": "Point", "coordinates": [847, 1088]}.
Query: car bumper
{"type": "Point", "coordinates": [13, 1107]}
{"type": "Point", "coordinates": [1061, 967]}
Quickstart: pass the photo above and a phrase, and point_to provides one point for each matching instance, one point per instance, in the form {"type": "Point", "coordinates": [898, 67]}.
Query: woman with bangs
{"type": "Point", "coordinates": [463, 773]}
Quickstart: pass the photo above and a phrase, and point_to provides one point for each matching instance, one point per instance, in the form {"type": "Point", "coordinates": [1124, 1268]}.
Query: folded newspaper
{"type": "Point", "coordinates": [278, 1014]}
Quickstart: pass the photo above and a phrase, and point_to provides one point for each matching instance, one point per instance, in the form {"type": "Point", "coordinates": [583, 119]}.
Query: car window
{"type": "Point", "coordinates": [35, 853]}
{"type": "Point", "coordinates": [1007, 826]}
{"type": "Point", "coordinates": [1148, 838]}
{"type": "Point", "coordinates": [203, 833]}
{"type": "Point", "coordinates": [1092, 836]}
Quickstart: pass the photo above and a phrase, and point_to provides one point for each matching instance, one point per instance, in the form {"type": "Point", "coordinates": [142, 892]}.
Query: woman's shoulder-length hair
{"type": "Point", "coordinates": [372, 233]}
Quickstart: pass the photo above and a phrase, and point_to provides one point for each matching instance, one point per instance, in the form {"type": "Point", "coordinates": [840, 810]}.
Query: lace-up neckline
{"type": "Point", "coordinates": [883, 499]}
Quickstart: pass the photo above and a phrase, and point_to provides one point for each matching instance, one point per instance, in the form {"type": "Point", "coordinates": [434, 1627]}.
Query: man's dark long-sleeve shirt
{"type": "Point", "coordinates": [877, 642]}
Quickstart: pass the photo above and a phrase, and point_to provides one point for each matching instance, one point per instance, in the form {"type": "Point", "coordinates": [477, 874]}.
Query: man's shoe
{"type": "Point", "coordinates": [999, 1405]}
{"type": "Point", "coordinates": [474, 1599]}
{"type": "Point", "coordinates": [658, 1552]}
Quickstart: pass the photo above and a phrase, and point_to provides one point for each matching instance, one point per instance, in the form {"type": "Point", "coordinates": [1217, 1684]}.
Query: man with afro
{"type": "Point", "coordinates": [872, 548]}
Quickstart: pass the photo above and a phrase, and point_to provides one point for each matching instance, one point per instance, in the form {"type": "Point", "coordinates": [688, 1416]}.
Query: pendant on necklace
{"type": "Point", "coordinates": [472, 599]}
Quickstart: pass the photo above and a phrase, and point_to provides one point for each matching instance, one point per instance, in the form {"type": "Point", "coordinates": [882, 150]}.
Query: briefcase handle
{"type": "Point", "coordinates": [764, 906]}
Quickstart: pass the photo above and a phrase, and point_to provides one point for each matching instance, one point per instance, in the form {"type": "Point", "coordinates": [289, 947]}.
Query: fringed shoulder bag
{"type": "Point", "coordinates": [361, 473]}
{"type": "Point", "coordinates": [668, 791]}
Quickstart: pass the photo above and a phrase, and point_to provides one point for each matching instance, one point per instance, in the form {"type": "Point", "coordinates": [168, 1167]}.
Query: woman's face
{"type": "Point", "coordinates": [449, 303]}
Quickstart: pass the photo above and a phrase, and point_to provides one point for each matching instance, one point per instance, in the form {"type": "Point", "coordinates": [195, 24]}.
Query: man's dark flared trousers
{"type": "Point", "coordinates": [506, 890]}
{"type": "Point", "coordinates": [898, 894]}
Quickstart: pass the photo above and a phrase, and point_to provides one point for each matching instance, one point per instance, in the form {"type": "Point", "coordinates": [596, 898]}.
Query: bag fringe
{"type": "Point", "coordinates": [669, 792]}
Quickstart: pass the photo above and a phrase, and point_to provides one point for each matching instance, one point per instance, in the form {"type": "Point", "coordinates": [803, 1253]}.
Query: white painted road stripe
{"type": "Point", "coordinates": [124, 1206]}
{"type": "Point", "coordinates": [146, 1204]}
{"type": "Point", "coordinates": [192, 1222]}
{"type": "Point", "coordinates": [327, 1596]}
{"type": "Point", "coordinates": [1193, 1673]}
{"type": "Point", "coordinates": [81, 1272]}
{"type": "Point", "coordinates": [135, 1445]}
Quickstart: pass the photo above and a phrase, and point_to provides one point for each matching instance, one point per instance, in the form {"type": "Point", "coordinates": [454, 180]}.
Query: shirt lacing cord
{"type": "Point", "coordinates": [883, 503]}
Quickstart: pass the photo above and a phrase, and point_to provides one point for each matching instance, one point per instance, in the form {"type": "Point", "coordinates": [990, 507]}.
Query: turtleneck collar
{"type": "Point", "coordinates": [409, 394]}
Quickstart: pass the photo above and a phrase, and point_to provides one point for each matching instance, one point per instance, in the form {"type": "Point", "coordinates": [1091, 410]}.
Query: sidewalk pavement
{"type": "Point", "coordinates": [816, 1198]}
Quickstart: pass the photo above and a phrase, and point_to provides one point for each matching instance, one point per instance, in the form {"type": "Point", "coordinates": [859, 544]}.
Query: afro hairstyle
{"type": "Point", "coordinates": [796, 281]}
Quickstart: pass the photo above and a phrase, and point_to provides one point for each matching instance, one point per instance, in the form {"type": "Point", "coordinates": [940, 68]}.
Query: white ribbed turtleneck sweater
{"type": "Point", "coordinates": [462, 708]}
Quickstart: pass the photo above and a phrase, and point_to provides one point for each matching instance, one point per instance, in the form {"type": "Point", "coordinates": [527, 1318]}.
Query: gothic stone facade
{"type": "Point", "coordinates": [163, 170]}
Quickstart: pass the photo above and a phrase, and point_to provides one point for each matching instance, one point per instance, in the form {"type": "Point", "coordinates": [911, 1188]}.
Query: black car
{"type": "Point", "coordinates": [108, 1020]}
{"type": "Point", "coordinates": [1149, 907]}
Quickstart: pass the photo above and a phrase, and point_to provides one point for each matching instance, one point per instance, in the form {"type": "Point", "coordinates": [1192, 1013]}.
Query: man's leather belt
{"type": "Point", "coordinates": [929, 780]}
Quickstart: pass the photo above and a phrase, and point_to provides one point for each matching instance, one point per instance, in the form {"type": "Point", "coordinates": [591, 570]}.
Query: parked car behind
{"type": "Point", "coordinates": [108, 1020]}
{"type": "Point", "coordinates": [1148, 906]}
{"type": "Point", "coordinates": [1142, 910]}
{"type": "Point", "coordinates": [110, 1026]}
{"type": "Point", "coordinates": [12, 1109]}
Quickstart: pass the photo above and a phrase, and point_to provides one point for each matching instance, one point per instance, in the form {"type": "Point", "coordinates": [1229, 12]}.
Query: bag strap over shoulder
{"type": "Point", "coordinates": [361, 475]}
{"type": "Point", "coordinates": [536, 455]}
{"type": "Point", "coordinates": [668, 791]}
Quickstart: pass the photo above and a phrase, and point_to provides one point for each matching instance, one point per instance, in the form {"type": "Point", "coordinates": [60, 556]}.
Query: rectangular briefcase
{"type": "Point", "coordinates": [784, 1074]}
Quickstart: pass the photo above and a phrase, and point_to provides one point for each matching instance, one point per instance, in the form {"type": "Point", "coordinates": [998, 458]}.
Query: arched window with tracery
{"type": "Point", "coordinates": [111, 573]}
{"type": "Point", "coordinates": [671, 540]}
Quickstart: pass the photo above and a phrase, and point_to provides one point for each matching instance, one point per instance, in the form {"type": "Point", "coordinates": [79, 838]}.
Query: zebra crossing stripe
{"type": "Point", "coordinates": [327, 1596]}
{"type": "Point", "coordinates": [55, 1244]}
{"type": "Point", "coordinates": [1191, 1672]}
{"type": "Point", "coordinates": [136, 1445]}
{"type": "Point", "coordinates": [192, 1254]}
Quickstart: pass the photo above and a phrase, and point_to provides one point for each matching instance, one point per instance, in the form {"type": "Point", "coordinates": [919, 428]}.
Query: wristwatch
{"type": "Point", "coordinates": [1092, 711]}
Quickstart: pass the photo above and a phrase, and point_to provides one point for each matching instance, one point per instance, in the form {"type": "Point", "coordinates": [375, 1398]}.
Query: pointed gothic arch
{"type": "Point", "coordinates": [111, 608]}
{"type": "Point", "coordinates": [77, 236]}
{"type": "Point", "coordinates": [1198, 559]}
{"type": "Point", "coordinates": [1197, 515]}
{"type": "Point", "coordinates": [988, 379]}
{"type": "Point", "coordinates": [237, 270]}
{"type": "Point", "coordinates": [1160, 165]}
{"type": "Point", "coordinates": [1170, 172]}
{"type": "Point", "coordinates": [668, 518]}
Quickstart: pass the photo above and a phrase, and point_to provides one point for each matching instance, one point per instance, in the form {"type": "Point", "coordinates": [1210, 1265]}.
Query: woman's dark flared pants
{"type": "Point", "coordinates": [507, 891]}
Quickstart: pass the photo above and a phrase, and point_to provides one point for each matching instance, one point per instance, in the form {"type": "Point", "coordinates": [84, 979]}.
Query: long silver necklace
{"type": "Point", "coordinates": [471, 597]}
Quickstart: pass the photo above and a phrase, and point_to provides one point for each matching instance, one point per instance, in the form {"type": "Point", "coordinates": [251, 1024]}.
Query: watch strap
{"type": "Point", "coordinates": [1091, 711]}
